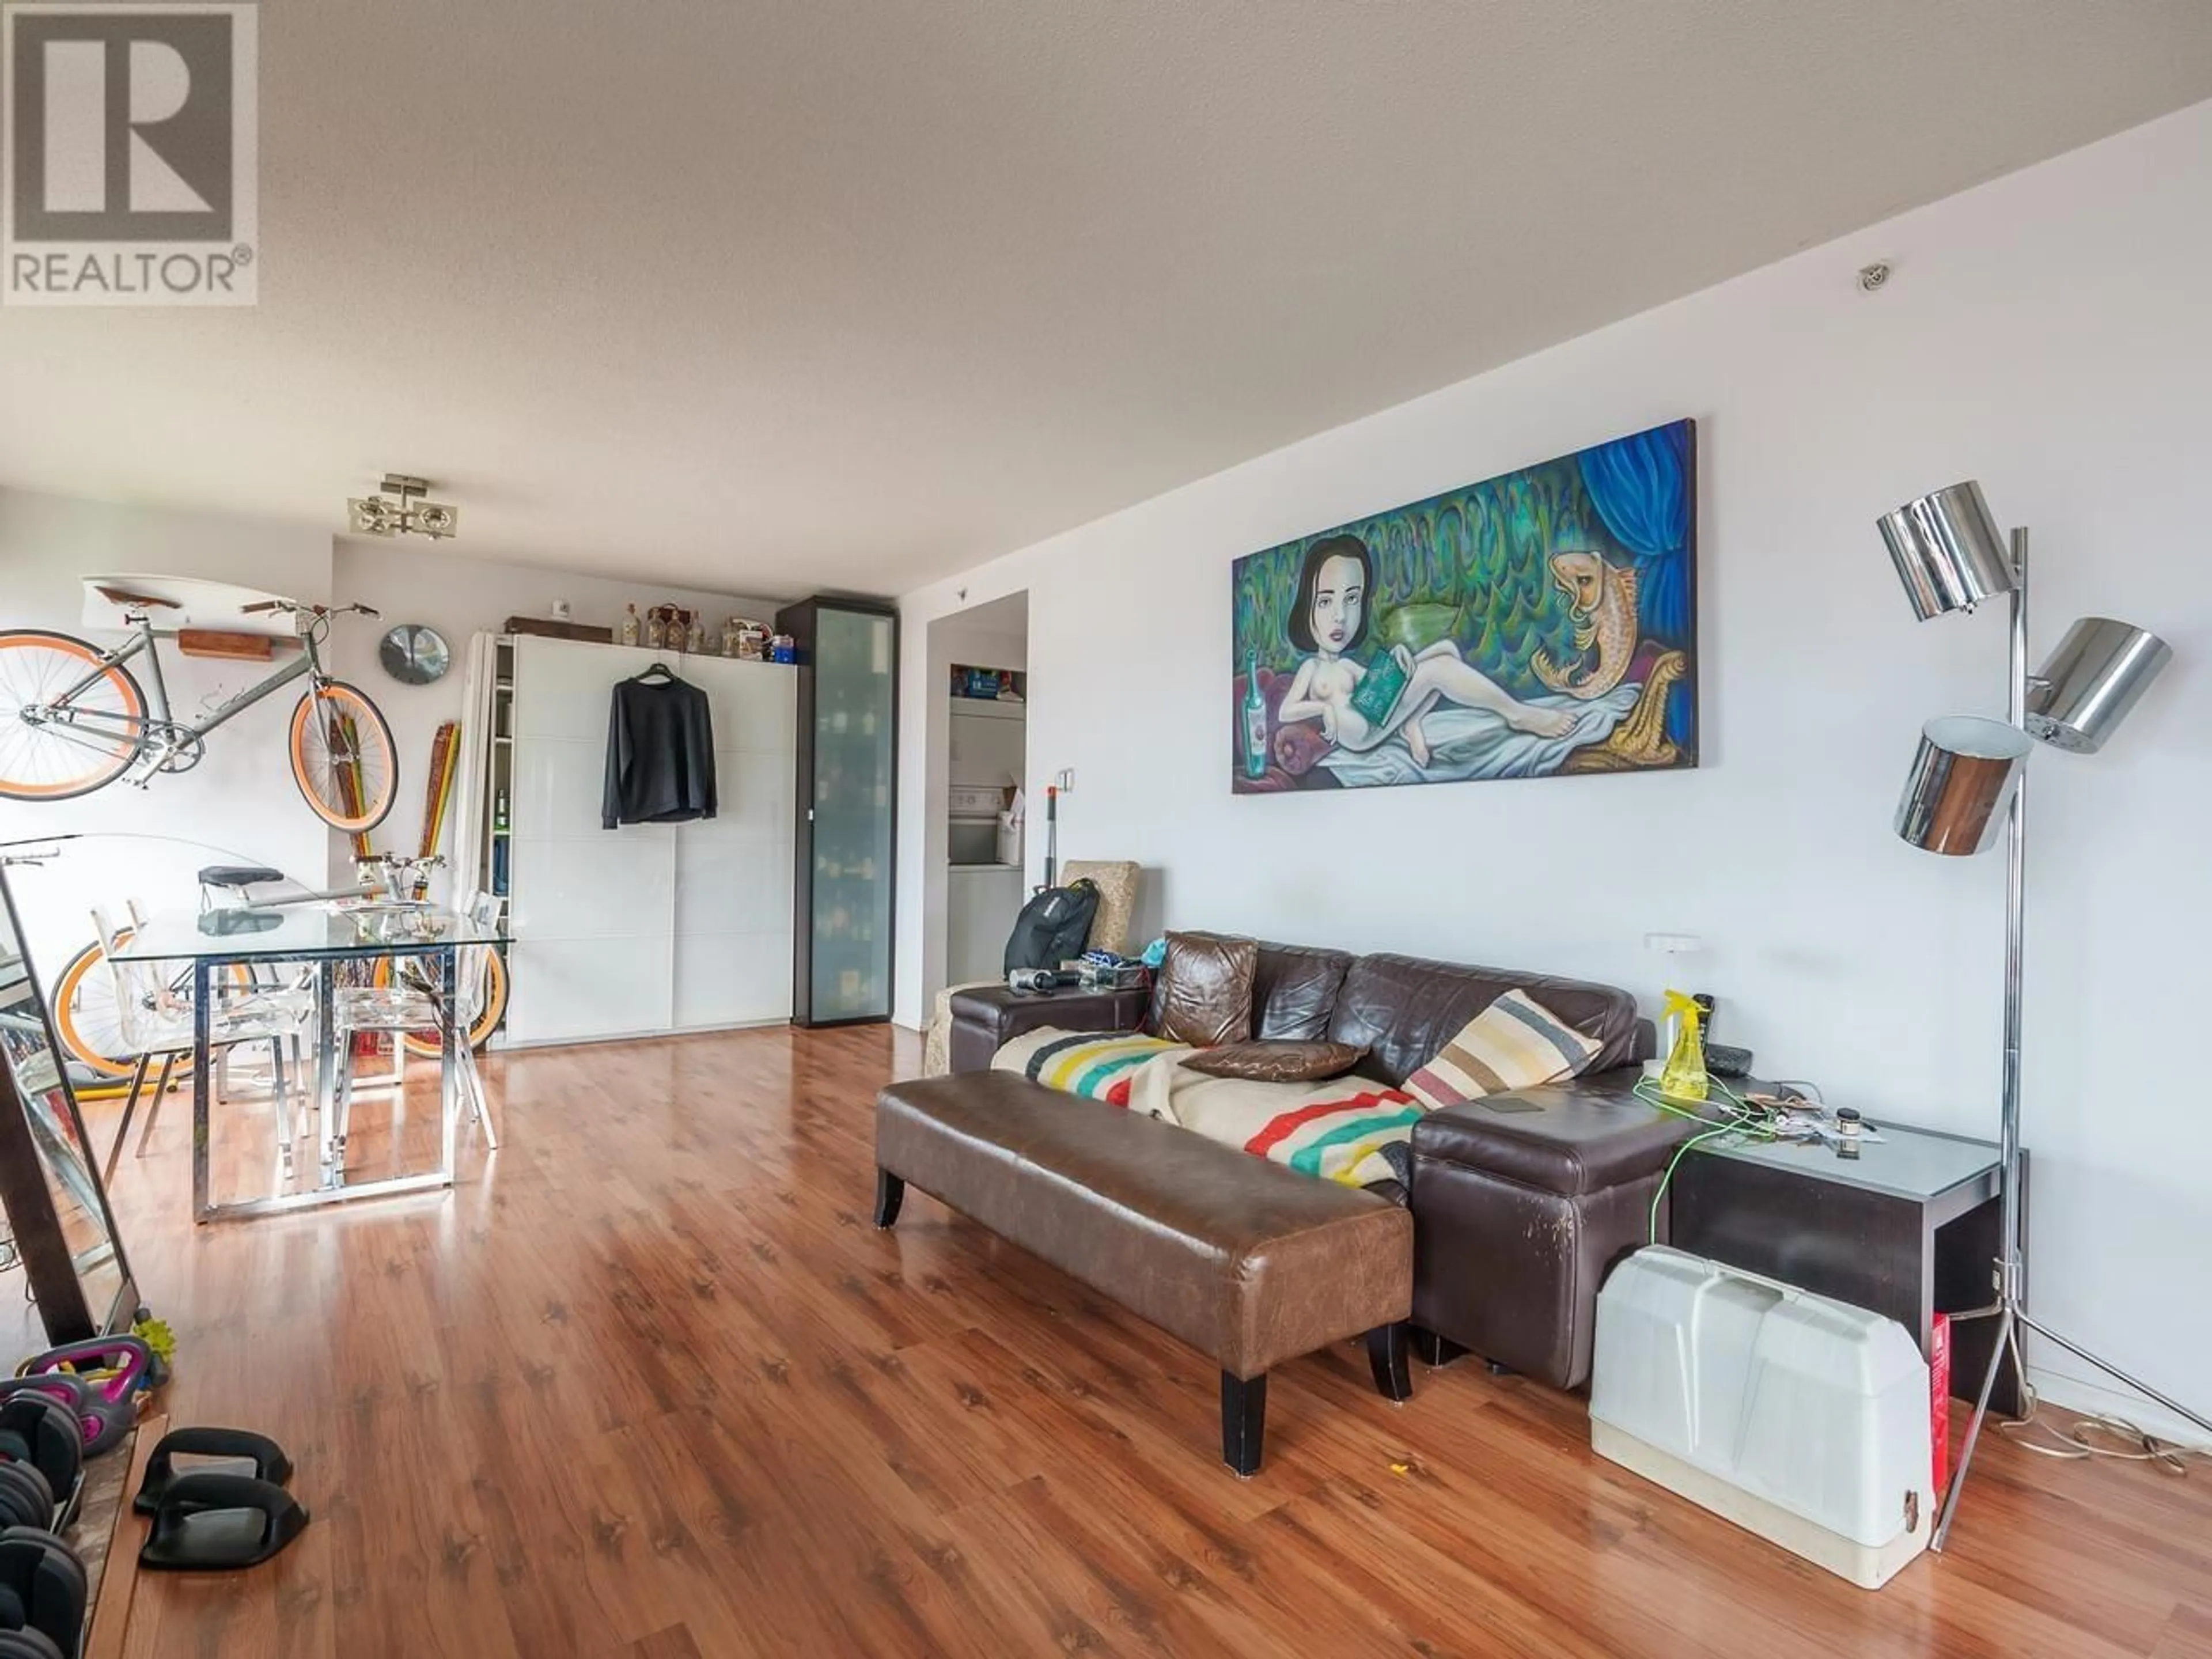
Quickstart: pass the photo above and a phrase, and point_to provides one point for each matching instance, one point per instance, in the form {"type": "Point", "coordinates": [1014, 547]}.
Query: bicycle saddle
{"type": "Point", "coordinates": [238, 875]}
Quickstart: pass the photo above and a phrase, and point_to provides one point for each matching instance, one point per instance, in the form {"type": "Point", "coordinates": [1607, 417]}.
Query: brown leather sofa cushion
{"type": "Point", "coordinates": [1204, 992]}
{"type": "Point", "coordinates": [1565, 1138]}
{"type": "Point", "coordinates": [1402, 1009]}
{"type": "Point", "coordinates": [1294, 990]}
{"type": "Point", "coordinates": [1244, 1259]}
{"type": "Point", "coordinates": [1270, 1062]}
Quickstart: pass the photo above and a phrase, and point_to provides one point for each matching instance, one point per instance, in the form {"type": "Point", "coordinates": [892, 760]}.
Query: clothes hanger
{"type": "Point", "coordinates": [659, 668]}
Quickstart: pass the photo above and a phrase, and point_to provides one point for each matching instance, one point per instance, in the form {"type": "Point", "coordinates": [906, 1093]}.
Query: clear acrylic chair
{"type": "Point", "coordinates": [408, 1002]}
{"type": "Point", "coordinates": [154, 1016]}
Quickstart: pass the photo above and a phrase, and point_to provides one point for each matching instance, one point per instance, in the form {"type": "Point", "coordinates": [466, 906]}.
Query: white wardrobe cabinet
{"type": "Point", "coordinates": [646, 927]}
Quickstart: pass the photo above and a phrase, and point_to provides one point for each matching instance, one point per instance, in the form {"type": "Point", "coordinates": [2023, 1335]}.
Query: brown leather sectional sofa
{"type": "Point", "coordinates": [1521, 1204]}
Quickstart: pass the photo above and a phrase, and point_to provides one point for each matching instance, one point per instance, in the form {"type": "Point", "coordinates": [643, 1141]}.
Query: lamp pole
{"type": "Point", "coordinates": [2011, 1291]}
{"type": "Point", "coordinates": [2010, 1277]}
{"type": "Point", "coordinates": [1951, 557]}
{"type": "Point", "coordinates": [2010, 1268]}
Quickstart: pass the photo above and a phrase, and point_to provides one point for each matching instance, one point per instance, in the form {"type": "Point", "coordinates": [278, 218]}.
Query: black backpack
{"type": "Point", "coordinates": [1054, 927]}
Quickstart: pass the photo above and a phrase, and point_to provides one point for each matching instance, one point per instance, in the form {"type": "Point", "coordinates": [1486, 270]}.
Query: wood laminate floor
{"type": "Point", "coordinates": [648, 1386]}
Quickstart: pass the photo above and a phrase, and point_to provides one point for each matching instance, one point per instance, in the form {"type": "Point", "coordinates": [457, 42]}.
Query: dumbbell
{"type": "Point", "coordinates": [40, 1434]}
{"type": "Point", "coordinates": [44, 1597]}
{"type": "Point", "coordinates": [104, 1422]}
{"type": "Point", "coordinates": [25, 1499]}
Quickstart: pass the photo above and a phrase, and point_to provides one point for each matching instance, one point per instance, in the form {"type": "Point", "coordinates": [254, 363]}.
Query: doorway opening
{"type": "Point", "coordinates": [975, 854]}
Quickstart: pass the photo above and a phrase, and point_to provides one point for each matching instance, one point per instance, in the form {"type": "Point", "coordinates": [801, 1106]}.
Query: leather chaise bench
{"type": "Point", "coordinates": [1248, 1261]}
{"type": "Point", "coordinates": [1521, 1204]}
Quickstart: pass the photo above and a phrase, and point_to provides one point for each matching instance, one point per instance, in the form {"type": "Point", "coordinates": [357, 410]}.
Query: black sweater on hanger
{"type": "Point", "coordinates": [660, 754]}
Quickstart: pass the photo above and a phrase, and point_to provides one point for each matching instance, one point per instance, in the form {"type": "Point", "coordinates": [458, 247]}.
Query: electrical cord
{"type": "Point", "coordinates": [2138, 1444]}
{"type": "Point", "coordinates": [1740, 1117]}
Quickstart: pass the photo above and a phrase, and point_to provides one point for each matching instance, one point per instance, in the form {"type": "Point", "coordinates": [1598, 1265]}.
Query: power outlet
{"type": "Point", "coordinates": [1064, 779]}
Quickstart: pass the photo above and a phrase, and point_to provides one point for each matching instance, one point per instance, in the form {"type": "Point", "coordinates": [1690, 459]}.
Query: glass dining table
{"type": "Point", "coordinates": [314, 941]}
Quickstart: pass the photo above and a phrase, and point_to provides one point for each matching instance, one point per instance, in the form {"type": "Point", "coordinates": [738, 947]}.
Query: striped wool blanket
{"type": "Point", "coordinates": [1349, 1129]}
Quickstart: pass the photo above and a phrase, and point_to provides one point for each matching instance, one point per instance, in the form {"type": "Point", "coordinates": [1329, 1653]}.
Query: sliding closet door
{"type": "Point", "coordinates": [733, 912]}
{"type": "Point", "coordinates": [592, 908]}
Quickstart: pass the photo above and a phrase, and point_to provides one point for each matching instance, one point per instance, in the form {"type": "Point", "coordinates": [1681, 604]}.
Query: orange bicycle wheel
{"type": "Point", "coordinates": [490, 1013]}
{"type": "Point", "coordinates": [53, 755]}
{"type": "Point", "coordinates": [86, 1017]}
{"type": "Point", "coordinates": [343, 757]}
{"type": "Point", "coordinates": [425, 1044]}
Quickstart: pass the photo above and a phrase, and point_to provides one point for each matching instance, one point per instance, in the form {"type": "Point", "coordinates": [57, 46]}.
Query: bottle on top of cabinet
{"type": "Point", "coordinates": [630, 629]}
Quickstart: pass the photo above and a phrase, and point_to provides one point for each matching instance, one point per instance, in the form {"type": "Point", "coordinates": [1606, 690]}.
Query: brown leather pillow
{"type": "Point", "coordinates": [1204, 996]}
{"type": "Point", "coordinates": [1278, 1061]}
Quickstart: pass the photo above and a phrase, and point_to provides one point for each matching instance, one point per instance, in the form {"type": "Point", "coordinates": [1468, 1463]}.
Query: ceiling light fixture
{"type": "Point", "coordinates": [409, 514]}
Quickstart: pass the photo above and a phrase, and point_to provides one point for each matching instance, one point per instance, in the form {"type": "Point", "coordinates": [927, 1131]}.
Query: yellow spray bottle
{"type": "Point", "coordinates": [1683, 1078]}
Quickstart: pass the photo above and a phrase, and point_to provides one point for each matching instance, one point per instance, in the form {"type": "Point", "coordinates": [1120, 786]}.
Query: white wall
{"type": "Point", "coordinates": [2048, 333]}
{"type": "Point", "coordinates": [241, 802]}
{"type": "Point", "coordinates": [422, 582]}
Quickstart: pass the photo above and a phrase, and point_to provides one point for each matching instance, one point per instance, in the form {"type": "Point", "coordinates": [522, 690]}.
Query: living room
{"type": "Point", "coordinates": [550, 1071]}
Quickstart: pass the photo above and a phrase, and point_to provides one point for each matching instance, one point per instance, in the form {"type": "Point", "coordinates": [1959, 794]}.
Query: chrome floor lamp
{"type": "Point", "coordinates": [1969, 773]}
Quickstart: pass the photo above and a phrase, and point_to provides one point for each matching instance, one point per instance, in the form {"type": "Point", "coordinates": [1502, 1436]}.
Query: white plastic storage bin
{"type": "Point", "coordinates": [1804, 1419]}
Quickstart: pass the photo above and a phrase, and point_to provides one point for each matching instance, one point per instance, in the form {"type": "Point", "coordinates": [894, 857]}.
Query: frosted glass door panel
{"type": "Point", "coordinates": [852, 783]}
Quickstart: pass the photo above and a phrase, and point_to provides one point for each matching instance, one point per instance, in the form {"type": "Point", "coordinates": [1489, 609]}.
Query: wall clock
{"type": "Point", "coordinates": [414, 654]}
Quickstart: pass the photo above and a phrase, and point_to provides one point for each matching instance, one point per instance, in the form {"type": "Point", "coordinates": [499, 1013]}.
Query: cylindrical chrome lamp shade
{"type": "Point", "coordinates": [2086, 686]}
{"type": "Point", "coordinates": [1950, 554]}
{"type": "Point", "coordinates": [1961, 784]}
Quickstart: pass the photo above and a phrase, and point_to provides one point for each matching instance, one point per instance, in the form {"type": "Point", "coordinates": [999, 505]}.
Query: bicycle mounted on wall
{"type": "Point", "coordinates": [73, 718]}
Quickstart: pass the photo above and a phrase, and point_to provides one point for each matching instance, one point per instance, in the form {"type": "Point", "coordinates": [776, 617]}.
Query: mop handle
{"type": "Point", "coordinates": [1051, 835]}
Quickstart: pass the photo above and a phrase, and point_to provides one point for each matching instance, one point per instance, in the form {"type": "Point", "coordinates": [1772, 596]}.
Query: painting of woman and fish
{"type": "Point", "coordinates": [1537, 623]}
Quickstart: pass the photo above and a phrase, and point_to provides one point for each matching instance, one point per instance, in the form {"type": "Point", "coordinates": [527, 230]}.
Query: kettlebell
{"type": "Point", "coordinates": [104, 1422]}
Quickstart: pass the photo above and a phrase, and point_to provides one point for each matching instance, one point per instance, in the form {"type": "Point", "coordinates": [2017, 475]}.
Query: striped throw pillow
{"type": "Point", "coordinates": [1514, 1044]}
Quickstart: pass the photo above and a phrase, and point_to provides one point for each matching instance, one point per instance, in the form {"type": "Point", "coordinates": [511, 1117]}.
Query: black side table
{"type": "Point", "coordinates": [1908, 1229]}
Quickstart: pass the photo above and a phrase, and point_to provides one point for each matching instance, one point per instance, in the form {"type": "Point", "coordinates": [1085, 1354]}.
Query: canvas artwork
{"type": "Point", "coordinates": [1537, 623]}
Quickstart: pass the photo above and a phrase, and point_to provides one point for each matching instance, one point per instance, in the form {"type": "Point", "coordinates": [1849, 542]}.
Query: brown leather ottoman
{"type": "Point", "coordinates": [1245, 1259]}
{"type": "Point", "coordinates": [1525, 1202]}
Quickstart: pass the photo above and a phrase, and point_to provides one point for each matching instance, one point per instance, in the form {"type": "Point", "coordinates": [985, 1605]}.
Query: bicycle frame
{"type": "Point", "coordinates": [160, 733]}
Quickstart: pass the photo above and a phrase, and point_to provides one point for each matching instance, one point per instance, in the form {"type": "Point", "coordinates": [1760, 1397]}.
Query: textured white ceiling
{"type": "Point", "coordinates": [852, 293]}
